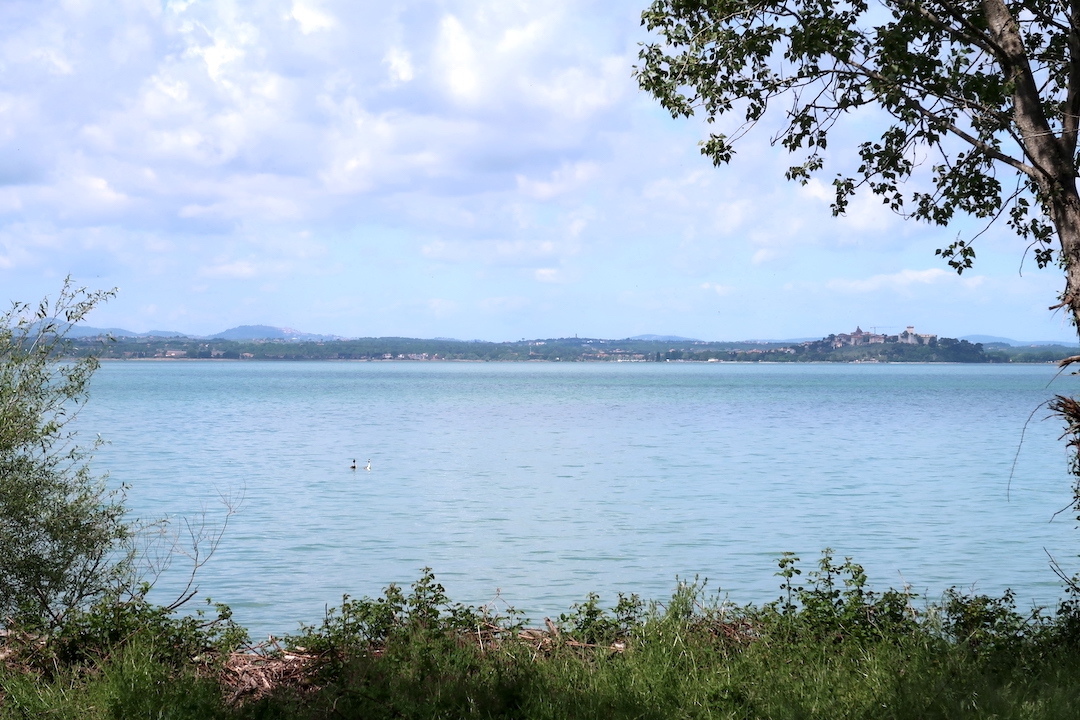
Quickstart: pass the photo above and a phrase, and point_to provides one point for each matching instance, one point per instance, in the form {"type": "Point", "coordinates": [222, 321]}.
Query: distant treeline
{"type": "Point", "coordinates": [568, 350]}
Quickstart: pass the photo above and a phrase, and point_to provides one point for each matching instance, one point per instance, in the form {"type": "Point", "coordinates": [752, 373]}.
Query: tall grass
{"type": "Point", "coordinates": [829, 647]}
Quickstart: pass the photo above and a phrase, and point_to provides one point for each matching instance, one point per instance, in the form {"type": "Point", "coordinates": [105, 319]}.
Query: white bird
{"type": "Point", "coordinates": [368, 466]}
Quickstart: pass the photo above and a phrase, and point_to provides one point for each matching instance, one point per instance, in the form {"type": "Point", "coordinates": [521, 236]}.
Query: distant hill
{"type": "Point", "coordinates": [989, 339]}
{"type": "Point", "coordinates": [243, 332]}
{"type": "Point", "coordinates": [78, 331]}
{"type": "Point", "coordinates": [266, 332]}
{"type": "Point", "coordinates": [83, 331]}
{"type": "Point", "coordinates": [663, 338]}
{"type": "Point", "coordinates": [162, 334]}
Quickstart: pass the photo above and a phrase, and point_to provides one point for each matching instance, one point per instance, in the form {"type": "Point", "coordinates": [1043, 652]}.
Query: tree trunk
{"type": "Point", "coordinates": [1053, 165]}
{"type": "Point", "coordinates": [1065, 213]}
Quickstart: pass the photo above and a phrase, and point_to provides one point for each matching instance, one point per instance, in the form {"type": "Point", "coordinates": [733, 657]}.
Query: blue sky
{"type": "Point", "coordinates": [471, 169]}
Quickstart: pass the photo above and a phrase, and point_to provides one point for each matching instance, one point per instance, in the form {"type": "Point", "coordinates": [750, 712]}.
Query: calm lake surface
{"type": "Point", "coordinates": [546, 481]}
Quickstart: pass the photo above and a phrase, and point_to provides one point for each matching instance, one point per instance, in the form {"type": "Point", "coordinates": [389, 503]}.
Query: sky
{"type": "Point", "coordinates": [476, 169]}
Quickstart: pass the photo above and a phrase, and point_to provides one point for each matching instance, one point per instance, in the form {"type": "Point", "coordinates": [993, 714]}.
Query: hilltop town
{"type": "Point", "coordinates": [906, 346]}
{"type": "Point", "coordinates": [908, 337]}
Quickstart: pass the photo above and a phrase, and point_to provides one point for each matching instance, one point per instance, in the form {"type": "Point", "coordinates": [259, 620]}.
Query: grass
{"type": "Point", "coordinates": [829, 648]}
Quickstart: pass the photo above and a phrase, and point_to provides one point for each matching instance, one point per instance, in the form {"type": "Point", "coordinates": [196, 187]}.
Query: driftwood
{"type": "Point", "coordinates": [265, 668]}
{"type": "Point", "coordinates": [17, 646]}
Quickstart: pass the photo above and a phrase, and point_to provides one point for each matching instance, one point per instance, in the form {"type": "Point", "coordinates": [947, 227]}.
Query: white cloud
{"type": "Point", "coordinates": [54, 60]}
{"type": "Point", "coordinates": [865, 212]}
{"type": "Point", "coordinates": [233, 270]}
{"type": "Point", "coordinates": [165, 96]}
{"type": "Point", "coordinates": [567, 178]}
{"type": "Point", "coordinates": [504, 304]}
{"type": "Point", "coordinates": [400, 64]}
{"type": "Point", "coordinates": [365, 151]}
{"type": "Point", "coordinates": [442, 250]}
{"type": "Point", "coordinates": [903, 280]}
{"type": "Point", "coordinates": [309, 18]}
{"type": "Point", "coordinates": [98, 190]}
{"type": "Point", "coordinates": [456, 56]}
{"type": "Point", "coordinates": [518, 249]}
{"type": "Point", "coordinates": [441, 307]}
{"type": "Point", "coordinates": [579, 92]}
{"type": "Point", "coordinates": [216, 56]}
{"type": "Point", "coordinates": [658, 300]}
{"type": "Point", "coordinates": [721, 290]}
{"type": "Point", "coordinates": [674, 191]}
{"type": "Point", "coordinates": [523, 37]}
{"type": "Point", "coordinates": [507, 253]}
{"type": "Point", "coordinates": [816, 190]}
{"type": "Point", "coordinates": [764, 255]}
{"type": "Point", "coordinates": [732, 216]}
{"type": "Point", "coordinates": [10, 200]}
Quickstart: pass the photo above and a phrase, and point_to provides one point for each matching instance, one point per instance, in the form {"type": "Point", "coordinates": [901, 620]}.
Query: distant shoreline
{"type": "Point", "coordinates": [921, 349]}
{"type": "Point", "coordinates": [563, 362]}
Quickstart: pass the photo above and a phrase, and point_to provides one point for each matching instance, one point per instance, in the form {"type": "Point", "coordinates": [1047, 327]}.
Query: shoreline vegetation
{"type": "Point", "coordinates": [937, 350]}
{"type": "Point", "coordinates": [828, 647]}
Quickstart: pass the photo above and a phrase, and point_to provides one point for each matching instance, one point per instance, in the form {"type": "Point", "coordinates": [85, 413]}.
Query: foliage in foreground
{"type": "Point", "coordinates": [62, 532]}
{"type": "Point", "coordinates": [829, 648]}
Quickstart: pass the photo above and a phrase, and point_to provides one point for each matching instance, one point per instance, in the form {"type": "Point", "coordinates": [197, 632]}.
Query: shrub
{"type": "Point", "coordinates": [116, 622]}
{"type": "Point", "coordinates": [836, 606]}
{"type": "Point", "coordinates": [62, 532]}
{"type": "Point", "coordinates": [362, 625]}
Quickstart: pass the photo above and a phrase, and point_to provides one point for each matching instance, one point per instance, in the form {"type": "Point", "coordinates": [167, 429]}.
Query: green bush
{"type": "Point", "coordinates": [113, 623]}
{"type": "Point", "coordinates": [62, 532]}
{"type": "Point", "coordinates": [588, 623]}
{"type": "Point", "coordinates": [362, 625]}
{"type": "Point", "coordinates": [836, 606]}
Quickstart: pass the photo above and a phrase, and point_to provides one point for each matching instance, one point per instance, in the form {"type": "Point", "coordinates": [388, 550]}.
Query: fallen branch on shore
{"type": "Point", "coordinates": [261, 670]}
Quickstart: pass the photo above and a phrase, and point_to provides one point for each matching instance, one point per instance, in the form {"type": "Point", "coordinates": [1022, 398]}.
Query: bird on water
{"type": "Point", "coordinates": [368, 466]}
{"type": "Point", "coordinates": [353, 466]}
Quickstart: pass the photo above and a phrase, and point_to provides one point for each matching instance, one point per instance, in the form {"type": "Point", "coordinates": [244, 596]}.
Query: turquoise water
{"type": "Point", "coordinates": [546, 481]}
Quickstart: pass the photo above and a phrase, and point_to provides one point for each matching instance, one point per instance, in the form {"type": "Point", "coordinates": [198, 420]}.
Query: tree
{"type": "Point", "coordinates": [989, 88]}
{"type": "Point", "coordinates": [62, 531]}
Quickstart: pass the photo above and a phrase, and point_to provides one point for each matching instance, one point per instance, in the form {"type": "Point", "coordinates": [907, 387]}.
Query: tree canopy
{"type": "Point", "coordinates": [990, 89]}
{"type": "Point", "coordinates": [61, 529]}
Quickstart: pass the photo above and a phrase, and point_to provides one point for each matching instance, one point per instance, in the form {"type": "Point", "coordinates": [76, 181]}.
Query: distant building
{"type": "Point", "coordinates": [859, 337]}
{"type": "Point", "coordinates": [910, 337]}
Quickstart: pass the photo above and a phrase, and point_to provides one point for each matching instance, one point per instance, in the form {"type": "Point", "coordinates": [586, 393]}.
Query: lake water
{"type": "Point", "coordinates": [546, 481]}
